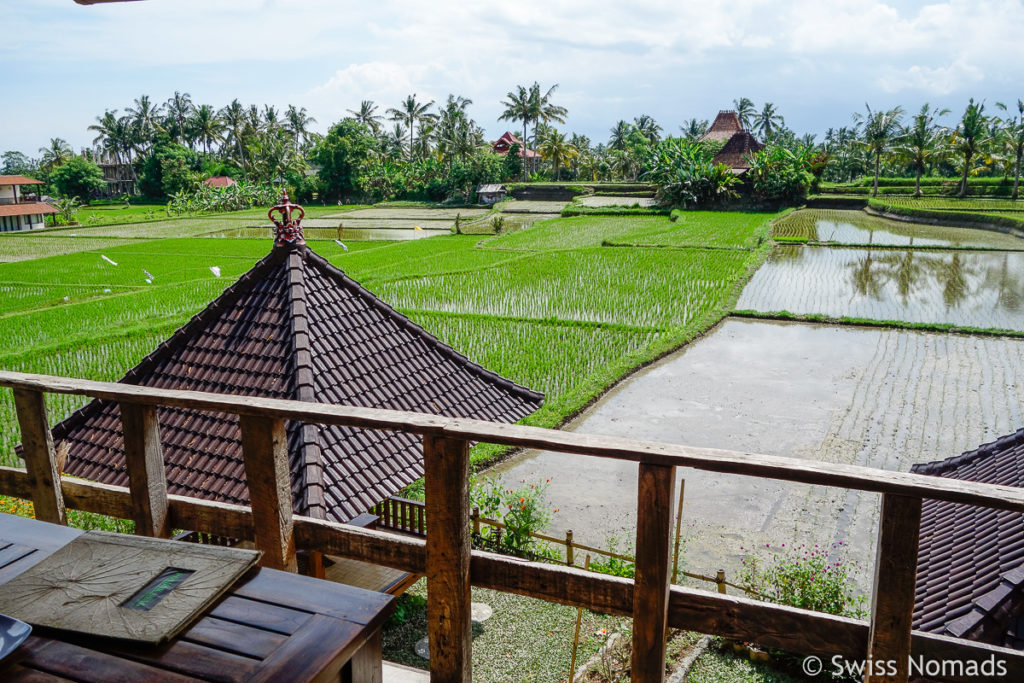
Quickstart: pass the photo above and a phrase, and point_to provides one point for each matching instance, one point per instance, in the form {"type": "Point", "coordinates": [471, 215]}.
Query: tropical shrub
{"type": "Point", "coordinates": [683, 174]}
{"type": "Point", "coordinates": [815, 578]}
{"type": "Point", "coordinates": [177, 161]}
{"type": "Point", "coordinates": [77, 178]}
{"type": "Point", "coordinates": [215, 199]}
{"type": "Point", "coordinates": [779, 174]}
{"type": "Point", "coordinates": [522, 510]}
{"type": "Point", "coordinates": [343, 157]}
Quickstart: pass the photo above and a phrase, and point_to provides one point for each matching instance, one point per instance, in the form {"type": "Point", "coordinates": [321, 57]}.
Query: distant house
{"type": "Point", "coordinates": [970, 560]}
{"type": "Point", "coordinates": [219, 181]}
{"type": "Point", "coordinates": [491, 194]}
{"type": "Point", "coordinates": [118, 175]}
{"type": "Point", "coordinates": [740, 144]}
{"type": "Point", "coordinates": [18, 211]}
{"type": "Point", "coordinates": [503, 144]}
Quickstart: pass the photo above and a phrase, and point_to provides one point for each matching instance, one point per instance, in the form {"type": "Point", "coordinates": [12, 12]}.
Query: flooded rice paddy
{"type": "Point", "coordinates": [616, 201]}
{"type": "Point", "coordinates": [980, 289]}
{"type": "Point", "coordinates": [884, 398]}
{"type": "Point", "coordinates": [857, 227]}
{"type": "Point", "coordinates": [874, 397]}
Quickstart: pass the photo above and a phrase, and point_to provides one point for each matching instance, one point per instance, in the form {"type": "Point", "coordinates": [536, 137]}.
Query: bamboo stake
{"type": "Point", "coordinates": [679, 527]}
{"type": "Point", "coordinates": [576, 638]}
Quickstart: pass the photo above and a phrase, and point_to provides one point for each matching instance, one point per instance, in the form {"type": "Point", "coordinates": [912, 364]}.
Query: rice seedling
{"type": "Point", "coordinates": [27, 247]}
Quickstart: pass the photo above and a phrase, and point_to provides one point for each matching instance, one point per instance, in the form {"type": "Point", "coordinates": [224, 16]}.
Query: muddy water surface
{"type": "Point", "coordinates": [883, 398]}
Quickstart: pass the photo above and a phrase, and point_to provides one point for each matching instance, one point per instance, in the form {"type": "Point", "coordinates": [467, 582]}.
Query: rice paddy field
{"type": "Point", "coordinates": [547, 305]}
{"type": "Point", "coordinates": [603, 201]}
{"type": "Point", "coordinates": [859, 228]}
{"type": "Point", "coordinates": [954, 204]}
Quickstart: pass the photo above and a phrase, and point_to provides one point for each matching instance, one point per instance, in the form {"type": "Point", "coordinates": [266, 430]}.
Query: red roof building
{"type": "Point", "coordinates": [296, 327]}
{"type": "Point", "coordinates": [219, 181]}
{"type": "Point", "coordinates": [503, 144]}
{"type": "Point", "coordinates": [18, 212]}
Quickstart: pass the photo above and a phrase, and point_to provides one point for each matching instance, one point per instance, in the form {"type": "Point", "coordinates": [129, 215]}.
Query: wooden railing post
{"type": "Point", "coordinates": [449, 549]}
{"type": "Point", "coordinates": [147, 479]}
{"type": "Point", "coordinates": [892, 604]}
{"type": "Point", "coordinates": [569, 554]}
{"type": "Point", "coordinates": [40, 458]}
{"type": "Point", "coordinates": [265, 451]}
{"type": "Point", "coordinates": [656, 487]}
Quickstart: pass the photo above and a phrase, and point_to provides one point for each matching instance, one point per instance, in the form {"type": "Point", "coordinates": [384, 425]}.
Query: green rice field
{"type": "Point", "coordinates": [547, 306]}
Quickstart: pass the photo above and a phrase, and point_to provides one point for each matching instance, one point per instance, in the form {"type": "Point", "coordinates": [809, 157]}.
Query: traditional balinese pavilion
{"type": "Point", "coordinates": [18, 211]}
{"type": "Point", "coordinates": [726, 124]}
{"type": "Point", "coordinates": [296, 327]}
{"type": "Point", "coordinates": [503, 146]}
{"type": "Point", "coordinates": [970, 565]}
{"type": "Point", "coordinates": [740, 144]}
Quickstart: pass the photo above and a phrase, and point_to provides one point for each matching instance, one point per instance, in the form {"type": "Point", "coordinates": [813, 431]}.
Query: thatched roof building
{"type": "Point", "coordinates": [726, 124]}
{"type": "Point", "coordinates": [738, 151]}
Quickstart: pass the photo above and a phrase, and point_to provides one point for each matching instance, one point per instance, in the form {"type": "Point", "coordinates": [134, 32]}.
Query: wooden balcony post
{"type": "Point", "coordinates": [265, 451]}
{"type": "Point", "coordinates": [892, 604]}
{"type": "Point", "coordinates": [651, 591]}
{"type": "Point", "coordinates": [147, 479]}
{"type": "Point", "coordinates": [449, 619]}
{"type": "Point", "coordinates": [40, 458]}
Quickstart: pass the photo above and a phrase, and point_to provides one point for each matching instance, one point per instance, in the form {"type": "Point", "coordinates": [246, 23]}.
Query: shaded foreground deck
{"type": "Point", "coordinates": [446, 557]}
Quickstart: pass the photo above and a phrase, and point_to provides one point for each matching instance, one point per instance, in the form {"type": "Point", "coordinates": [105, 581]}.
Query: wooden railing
{"type": "Point", "coordinates": [445, 555]}
{"type": "Point", "coordinates": [402, 515]}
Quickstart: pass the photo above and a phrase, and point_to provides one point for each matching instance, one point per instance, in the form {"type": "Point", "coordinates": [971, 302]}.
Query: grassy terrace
{"type": "Point", "coordinates": [548, 306]}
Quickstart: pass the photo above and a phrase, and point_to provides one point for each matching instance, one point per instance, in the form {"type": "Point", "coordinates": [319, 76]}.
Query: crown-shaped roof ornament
{"type": "Point", "coordinates": [287, 228]}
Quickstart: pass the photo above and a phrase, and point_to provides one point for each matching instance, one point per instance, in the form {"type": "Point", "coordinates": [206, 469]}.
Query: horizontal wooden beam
{"type": "Point", "coordinates": [617, 448]}
{"type": "Point", "coordinates": [733, 617]}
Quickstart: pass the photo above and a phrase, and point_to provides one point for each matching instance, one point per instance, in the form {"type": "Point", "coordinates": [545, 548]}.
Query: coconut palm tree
{"type": "Point", "coordinates": [556, 149]}
{"type": "Point", "coordinates": [543, 110]}
{"type": "Point", "coordinates": [768, 120]}
{"type": "Point", "coordinates": [881, 129]}
{"type": "Point", "coordinates": [694, 128]}
{"type": "Point", "coordinates": [179, 110]}
{"type": "Point", "coordinates": [620, 136]}
{"type": "Point", "coordinates": [55, 154]}
{"type": "Point", "coordinates": [206, 126]}
{"type": "Point", "coordinates": [410, 112]}
{"type": "Point", "coordinates": [922, 143]}
{"type": "Point", "coordinates": [297, 123]}
{"type": "Point", "coordinates": [648, 127]}
{"type": "Point", "coordinates": [145, 120]}
{"type": "Point", "coordinates": [745, 111]}
{"type": "Point", "coordinates": [234, 117]}
{"type": "Point", "coordinates": [1013, 134]}
{"type": "Point", "coordinates": [517, 108]}
{"type": "Point", "coordinates": [368, 116]}
{"type": "Point", "coordinates": [970, 138]}
{"type": "Point", "coordinates": [271, 118]}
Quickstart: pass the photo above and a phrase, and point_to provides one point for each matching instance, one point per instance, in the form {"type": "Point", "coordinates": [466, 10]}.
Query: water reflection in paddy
{"type": "Point", "coordinates": [976, 289]}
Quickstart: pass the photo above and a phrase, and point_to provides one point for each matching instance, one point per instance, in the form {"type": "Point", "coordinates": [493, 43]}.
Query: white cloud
{"type": "Point", "coordinates": [941, 80]}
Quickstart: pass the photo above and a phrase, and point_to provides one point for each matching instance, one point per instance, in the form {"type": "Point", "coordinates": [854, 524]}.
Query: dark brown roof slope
{"type": "Point", "coordinates": [297, 327]}
{"type": "Point", "coordinates": [741, 147]}
{"type": "Point", "coordinates": [726, 124]}
{"type": "Point", "coordinates": [970, 563]}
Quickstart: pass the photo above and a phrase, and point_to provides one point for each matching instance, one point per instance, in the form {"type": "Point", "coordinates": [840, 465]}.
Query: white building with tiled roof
{"type": "Point", "coordinates": [18, 211]}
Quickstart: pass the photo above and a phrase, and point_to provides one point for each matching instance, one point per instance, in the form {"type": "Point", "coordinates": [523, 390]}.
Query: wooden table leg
{"type": "Point", "coordinates": [365, 665]}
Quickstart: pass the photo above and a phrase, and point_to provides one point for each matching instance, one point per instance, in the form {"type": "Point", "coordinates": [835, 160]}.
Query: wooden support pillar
{"type": "Point", "coordinates": [40, 457]}
{"type": "Point", "coordinates": [147, 479]}
{"type": "Point", "coordinates": [265, 451]}
{"type": "Point", "coordinates": [892, 604]}
{"type": "Point", "coordinates": [651, 587]}
{"type": "Point", "coordinates": [449, 619]}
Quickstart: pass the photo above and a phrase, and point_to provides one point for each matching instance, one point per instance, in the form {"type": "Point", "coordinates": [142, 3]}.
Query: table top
{"type": "Point", "coordinates": [271, 625]}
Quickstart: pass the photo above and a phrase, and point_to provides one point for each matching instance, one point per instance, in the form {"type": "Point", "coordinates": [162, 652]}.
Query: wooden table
{"type": "Point", "coordinates": [271, 626]}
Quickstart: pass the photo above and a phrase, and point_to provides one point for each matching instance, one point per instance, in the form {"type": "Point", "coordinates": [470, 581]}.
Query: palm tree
{"type": "Point", "coordinates": [694, 128]}
{"type": "Point", "coordinates": [542, 109]}
{"type": "Point", "coordinates": [179, 109]}
{"type": "Point", "coordinates": [768, 121]}
{"type": "Point", "coordinates": [517, 108]}
{"type": "Point", "coordinates": [648, 127]}
{"type": "Point", "coordinates": [921, 143]}
{"type": "Point", "coordinates": [207, 126]}
{"type": "Point", "coordinates": [297, 123]}
{"type": "Point", "coordinates": [234, 119]}
{"type": "Point", "coordinates": [1013, 134]}
{"type": "Point", "coordinates": [970, 138]}
{"type": "Point", "coordinates": [58, 152]}
{"type": "Point", "coordinates": [620, 136]}
{"type": "Point", "coordinates": [556, 149]}
{"type": "Point", "coordinates": [745, 110]}
{"type": "Point", "coordinates": [145, 121]}
{"type": "Point", "coordinates": [409, 113]}
{"type": "Point", "coordinates": [881, 128]}
{"type": "Point", "coordinates": [368, 116]}
{"type": "Point", "coordinates": [271, 118]}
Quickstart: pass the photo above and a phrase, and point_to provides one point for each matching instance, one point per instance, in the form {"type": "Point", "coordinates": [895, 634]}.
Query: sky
{"type": "Point", "coordinates": [818, 61]}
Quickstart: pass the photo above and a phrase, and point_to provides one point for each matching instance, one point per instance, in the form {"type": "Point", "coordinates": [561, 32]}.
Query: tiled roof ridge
{"type": "Point", "coordinates": [436, 344]}
{"type": "Point", "coordinates": [939, 468]}
{"type": "Point", "coordinates": [313, 502]}
{"type": "Point", "coordinates": [990, 611]}
{"type": "Point", "coordinates": [227, 298]}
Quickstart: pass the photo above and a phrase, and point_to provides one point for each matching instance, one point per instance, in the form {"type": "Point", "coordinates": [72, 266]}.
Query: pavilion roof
{"type": "Point", "coordinates": [726, 124]}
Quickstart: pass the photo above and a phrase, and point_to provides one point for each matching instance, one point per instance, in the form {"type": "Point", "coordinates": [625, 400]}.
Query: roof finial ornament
{"type": "Point", "coordinates": [287, 230]}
